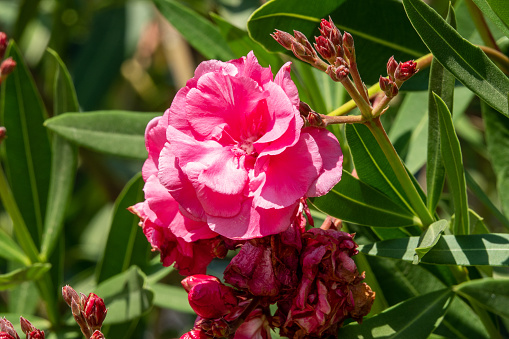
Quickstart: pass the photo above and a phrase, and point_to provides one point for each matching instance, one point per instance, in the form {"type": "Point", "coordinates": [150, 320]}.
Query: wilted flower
{"type": "Point", "coordinates": [232, 153]}
{"type": "Point", "coordinates": [208, 297]}
{"type": "Point", "coordinates": [256, 326]}
{"type": "Point", "coordinates": [325, 295]}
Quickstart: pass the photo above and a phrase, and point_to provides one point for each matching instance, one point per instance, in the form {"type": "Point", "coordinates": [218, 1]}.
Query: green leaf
{"type": "Point", "coordinates": [198, 31]}
{"type": "Point", "coordinates": [400, 280]}
{"type": "Point", "coordinates": [465, 250]}
{"type": "Point", "coordinates": [467, 62]}
{"type": "Point", "coordinates": [126, 244]}
{"type": "Point", "coordinates": [375, 38]}
{"type": "Point", "coordinates": [27, 148]}
{"type": "Point", "coordinates": [429, 239]}
{"type": "Point", "coordinates": [497, 140]}
{"type": "Point", "coordinates": [354, 201]}
{"type": "Point", "coordinates": [492, 294]}
{"type": "Point", "coordinates": [372, 166]}
{"type": "Point", "coordinates": [10, 250]}
{"type": "Point", "coordinates": [64, 161]}
{"type": "Point", "coordinates": [14, 278]}
{"type": "Point", "coordinates": [441, 82]}
{"type": "Point", "coordinates": [492, 9]}
{"type": "Point", "coordinates": [126, 295]}
{"type": "Point", "coordinates": [415, 318]}
{"type": "Point", "coordinates": [172, 298]}
{"type": "Point", "coordinates": [453, 163]}
{"type": "Point", "coordinates": [119, 133]}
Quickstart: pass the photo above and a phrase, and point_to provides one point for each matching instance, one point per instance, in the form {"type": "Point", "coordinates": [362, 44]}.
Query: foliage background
{"type": "Point", "coordinates": [124, 55]}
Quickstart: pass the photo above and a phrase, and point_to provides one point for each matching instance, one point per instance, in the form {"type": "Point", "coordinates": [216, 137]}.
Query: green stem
{"type": "Point", "coordinates": [20, 229]}
{"type": "Point", "coordinates": [44, 285]}
{"type": "Point", "coordinates": [376, 128]}
{"type": "Point", "coordinates": [364, 106]}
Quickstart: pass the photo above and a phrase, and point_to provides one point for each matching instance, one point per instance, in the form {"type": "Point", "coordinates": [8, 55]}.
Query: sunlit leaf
{"type": "Point", "coordinates": [354, 201]}
{"type": "Point", "coordinates": [413, 318]}
{"type": "Point", "coordinates": [171, 297]}
{"type": "Point", "coordinates": [467, 62]}
{"type": "Point", "coordinates": [466, 250]}
{"type": "Point", "coordinates": [453, 164]}
{"type": "Point", "coordinates": [429, 239]}
{"type": "Point", "coordinates": [10, 250]}
{"type": "Point", "coordinates": [119, 133]}
{"type": "Point", "coordinates": [14, 278]}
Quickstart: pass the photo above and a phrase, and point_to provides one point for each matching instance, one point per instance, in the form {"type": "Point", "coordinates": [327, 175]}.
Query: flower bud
{"type": "Point", "coordinates": [94, 312]}
{"type": "Point", "coordinates": [7, 66]}
{"type": "Point", "coordinates": [3, 133]}
{"type": "Point", "coordinates": [7, 330]}
{"type": "Point", "coordinates": [69, 294]}
{"type": "Point", "coordinates": [208, 297]}
{"type": "Point", "coordinates": [326, 27]}
{"type": "Point", "coordinates": [388, 86]}
{"type": "Point", "coordinates": [325, 48]}
{"type": "Point", "coordinates": [97, 335]}
{"type": "Point", "coordinates": [391, 67]}
{"type": "Point", "coordinates": [35, 334]}
{"type": "Point", "coordinates": [341, 73]}
{"type": "Point", "coordinates": [3, 44]}
{"type": "Point", "coordinates": [405, 71]}
{"type": "Point", "coordinates": [283, 38]}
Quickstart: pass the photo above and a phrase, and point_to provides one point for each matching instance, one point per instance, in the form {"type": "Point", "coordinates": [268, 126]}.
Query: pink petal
{"type": "Point", "coordinates": [284, 80]}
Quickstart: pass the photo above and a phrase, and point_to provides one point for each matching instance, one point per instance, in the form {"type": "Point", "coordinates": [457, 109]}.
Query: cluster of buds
{"type": "Point", "coordinates": [309, 275]}
{"type": "Point", "coordinates": [7, 331]}
{"type": "Point", "coordinates": [89, 312]}
{"type": "Point", "coordinates": [8, 65]}
{"type": "Point", "coordinates": [397, 74]}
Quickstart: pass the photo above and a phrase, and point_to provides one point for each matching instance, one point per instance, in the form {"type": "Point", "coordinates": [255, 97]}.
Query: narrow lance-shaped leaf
{"type": "Point", "coordinates": [484, 6]}
{"type": "Point", "coordinates": [64, 161]}
{"type": "Point", "coordinates": [27, 147]}
{"type": "Point", "coordinates": [441, 82]}
{"type": "Point", "coordinates": [10, 250]}
{"type": "Point", "coordinates": [465, 61]}
{"type": "Point", "coordinates": [492, 294]}
{"type": "Point", "coordinates": [126, 244]}
{"type": "Point", "coordinates": [354, 201]}
{"type": "Point", "coordinates": [199, 32]}
{"type": "Point", "coordinates": [120, 133]}
{"type": "Point", "coordinates": [453, 163]}
{"type": "Point", "coordinates": [465, 250]}
{"type": "Point", "coordinates": [414, 318]}
{"type": "Point", "coordinates": [429, 239]}
{"type": "Point", "coordinates": [172, 298]}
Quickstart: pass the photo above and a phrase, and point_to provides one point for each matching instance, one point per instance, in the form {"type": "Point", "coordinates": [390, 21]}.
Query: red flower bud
{"type": "Point", "coordinates": [347, 40]}
{"type": "Point", "coordinates": [35, 334]}
{"type": "Point", "coordinates": [7, 330]}
{"type": "Point", "coordinates": [3, 44]}
{"type": "Point", "coordinates": [388, 86]}
{"type": "Point", "coordinates": [405, 71]}
{"type": "Point", "coordinates": [283, 38]}
{"type": "Point", "coordinates": [325, 48]}
{"type": "Point", "coordinates": [3, 133]}
{"type": "Point", "coordinates": [69, 294]}
{"type": "Point", "coordinates": [331, 32]}
{"type": "Point", "coordinates": [94, 311]}
{"type": "Point", "coordinates": [97, 335]}
{"type": "Point", "coordinates": [208, 297]}
{"type": "Point", "coordinates": [391, 67]}
{"type": "Point", "coordinates": [7, 66]}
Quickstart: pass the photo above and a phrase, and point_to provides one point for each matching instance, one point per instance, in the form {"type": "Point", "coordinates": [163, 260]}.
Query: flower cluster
{"type": "Point", "coordinates": [88, 312]}
{"type": "Point", "coordinates": [7, 330]}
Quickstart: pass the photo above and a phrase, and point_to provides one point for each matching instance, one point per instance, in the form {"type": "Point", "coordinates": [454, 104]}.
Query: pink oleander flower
{"type": "Point", "coordinates": [331, 289]}
{"type": "Point", "coordinates": [232, 152]}
{"type": "Point", "coordinates": [208, 297]}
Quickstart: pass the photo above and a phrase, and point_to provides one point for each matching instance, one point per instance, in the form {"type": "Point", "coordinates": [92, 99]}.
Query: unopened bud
{"type": "Point", "coordinates": [391, 67]}
{"type": "Point", "coordinates": [3, 133]}
{"type": "Point", "coordinates": [326, 28]}
{"type": "Point", "coordinates": [97, 335]}
{"type": "Point", "coordinates": [7, 330]}
{"type": "Point", "coordinates": [195, 334]}
{"type": "Point", "coordinates": [388, 86]}
{"type": "Point", "coordinates": [325, 48]}
{"type": "Point", "coordinates": [283, 38]}
{"type": "Point", "coordinates": [348, 40]}
{"type": "Point", "coordinates": [7, 66]}
{"type": "Point", "coordinates": [94, 312]}
{"type": "Point", "coordinates": [36, 334]}
{"type": "Point", "coordinates": [69, 294]}
{"type": "Point", "coordinates": [405, 71]}
{"type": "Point", "coordinates": [340, 62]}
{"type": "Point", "coordinates": [26, 326]}
{"type": "Point", "coordinates": [3, 44]}
{"type": "Point", "coordinates": [342, 72]}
